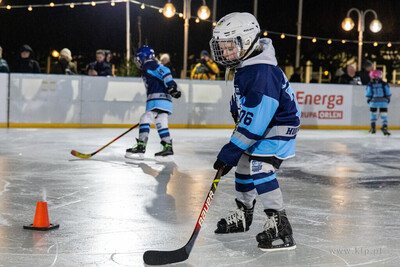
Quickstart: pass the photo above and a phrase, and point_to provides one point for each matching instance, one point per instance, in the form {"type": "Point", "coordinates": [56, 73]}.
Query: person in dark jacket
{"type": "Point", "coordinates": [368, 66]}
{"type": "Point", "coordinates": [350, 77]}
{"type": "Point", "coordinates": [99, 67]}
{"type": "Point", "coordinates": [3, 63]}
{"type": "Point", "coordinates": [64, 64]}
{"type": "Point", "coordinates": [25, 63]}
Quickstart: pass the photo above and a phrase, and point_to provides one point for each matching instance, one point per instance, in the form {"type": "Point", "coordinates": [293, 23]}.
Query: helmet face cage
{"type": "Point", "coordinates": [227, 51]}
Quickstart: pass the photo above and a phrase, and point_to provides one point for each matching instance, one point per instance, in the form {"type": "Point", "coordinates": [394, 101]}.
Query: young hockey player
{"type": "Point", "coordinates": [160, 87]}
{"type": "Point", "coordinates": [378, 96]}
{"type": "Point", "coordinates": [269, 119]}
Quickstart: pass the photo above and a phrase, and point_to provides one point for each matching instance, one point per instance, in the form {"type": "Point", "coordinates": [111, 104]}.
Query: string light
{"type": "Point", "coordinates": [360, 43]}
{"type": "Point", "coordinates": [160, 10]}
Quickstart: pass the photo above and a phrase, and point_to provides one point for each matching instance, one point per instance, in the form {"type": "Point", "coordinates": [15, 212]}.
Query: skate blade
{"type": "Point", "coordinates": [136, 156]}
{"type": "Point", "coordinates": [277, 249]}
{"type": "Point", "coordinates": [164, 159]}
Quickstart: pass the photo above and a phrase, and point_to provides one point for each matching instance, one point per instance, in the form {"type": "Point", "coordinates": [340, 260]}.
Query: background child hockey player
{"type": "Point", "coordinates": [160, 86]}
{"type": "Point", "coordinates": [378, 97]}
{"type": "Point", "coordinates": [269, 119]}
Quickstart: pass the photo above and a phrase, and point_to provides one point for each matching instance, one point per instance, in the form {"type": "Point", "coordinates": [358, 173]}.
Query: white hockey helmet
{"type": "Point", "coordinates": [234, 38]}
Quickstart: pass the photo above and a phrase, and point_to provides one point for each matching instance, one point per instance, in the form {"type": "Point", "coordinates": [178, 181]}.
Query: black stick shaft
{"type": "Point", "coordinates": [156, 257]}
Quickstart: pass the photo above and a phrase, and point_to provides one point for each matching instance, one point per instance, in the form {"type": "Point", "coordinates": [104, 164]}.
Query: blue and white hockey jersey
{"type": "Point", "coordinates": [157, 80]}
{"type": "Point", "coordinates": [378, 94]}
{"type": "Point", "coordinates": [268, 109]}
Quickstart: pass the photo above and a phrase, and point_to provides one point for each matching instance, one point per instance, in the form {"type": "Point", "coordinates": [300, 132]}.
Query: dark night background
{"type": "Point", "coordinates": [84, 29]}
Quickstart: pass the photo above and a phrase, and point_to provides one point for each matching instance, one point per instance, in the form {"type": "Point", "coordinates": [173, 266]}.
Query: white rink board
{"type": "Point", "coordinates": [3, 97]}
{"type": "Point", "coordinates": [61, 99]}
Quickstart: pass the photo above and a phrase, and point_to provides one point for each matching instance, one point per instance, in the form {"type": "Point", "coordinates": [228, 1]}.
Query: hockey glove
{"type": "Point", "coordinates": [220, 164]}
{"type": "Point", "coordinates": [175, 93]}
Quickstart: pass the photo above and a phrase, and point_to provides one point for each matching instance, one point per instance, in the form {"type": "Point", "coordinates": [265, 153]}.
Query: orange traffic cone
{"type": "Point", "coordinates": [41, 221]}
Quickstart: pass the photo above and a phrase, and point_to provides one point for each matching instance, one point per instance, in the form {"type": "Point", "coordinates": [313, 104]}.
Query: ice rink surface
{"type": "Point", "coordinates": [341, 193]}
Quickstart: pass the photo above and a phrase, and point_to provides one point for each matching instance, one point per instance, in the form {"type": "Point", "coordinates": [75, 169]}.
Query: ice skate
{"type": "Point", "coordinates": [385, 130]}
{"type": "Point", "coordinates": [137, 151]}
{"type": "Point", "coordinates": [166, 153]}
{"type": "Point", "coordinates": [373, 128]}
{"type": "Point", "coordinates": [237, 221]}
{"type": "Point", "coordinates": [277, 234]}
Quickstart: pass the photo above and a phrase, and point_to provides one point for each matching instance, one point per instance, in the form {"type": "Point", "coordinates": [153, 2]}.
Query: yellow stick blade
{"type": "Point", "coordinates": [80, 155]}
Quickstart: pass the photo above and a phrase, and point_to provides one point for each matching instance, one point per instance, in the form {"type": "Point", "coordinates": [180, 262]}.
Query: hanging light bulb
{"type": "Point", "coordinates": [347, 24]}
{"type": "Point", "coordinates": [375, 26]}
{"type": "Point", "coordinates": [30, 8]}
{"type": "Point", "coordinates": [72, 5]}
{"type": "Point", "coordinates": [93, 3]}
{"type": "Point", "coordinates": [360, 43]}
{"type": "Point", "coordinates": [329, 41]}
{"type": "Point", "coordinates": [51, 4]}
{"type": "Point", "coordinates": [375, 44]}
{"type": "Point", "coordinates": [181, 15]}
{"type": "Point", "coordinates": [112, 3]}
{"type": "Point", "coordinates": [8, 7]}
{"type": "Point", "coordinates": [343, 41]}
{"type": "Point", "coordinates": [142, 6]}
{"type": "Point", "coordinates": [265, 33]}
{"type": "Point", "coordinates": [389, 44]}
{"type": "Point", "coordinates": [197, 20]}
{"type": "Point", "coordinates": [203, 12]}
{"type": "Point", "coordinates": [298, 37]}
{"type": "Point", "coordinates": [160, 10]}
{"type": "Point", "coordinates": [314, 40]}
{"type": "Point", "coordinates": [283, 36]}
{"type": "Point", "coordinates": [214, 24]}
{"type": "Point", "coordinates": [169, 10]}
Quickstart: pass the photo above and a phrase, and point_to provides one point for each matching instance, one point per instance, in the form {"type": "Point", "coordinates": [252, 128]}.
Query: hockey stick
{"type": "Point", "coordinates": [156, 257]}
{"type": "Point", "coordinates": [86, 156]}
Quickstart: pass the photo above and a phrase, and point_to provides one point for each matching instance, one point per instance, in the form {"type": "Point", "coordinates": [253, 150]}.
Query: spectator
{"type": "Point", "coordinates": [3, 63]}
{"type": "Point", "coordinates": [99, 67]}
{"type": "Point", "coordinates": [165, 61]}
{"type": "Point", "coordinates": [25, 63]}
{"type": "Point", "coordinates": [364, 73]}
{"type": "Point", "coordinates": [338, 73]}
{"type": "Point", "coordinates": [206, 69]}
{"type": "Point", "coordinates": [108, 57]}
{"type": "Point", "coordinates": [350, 77]}
{"type": "Point", "coordinates": [296, 76]}
{"type": "Point", "coordinates": [64, 64]}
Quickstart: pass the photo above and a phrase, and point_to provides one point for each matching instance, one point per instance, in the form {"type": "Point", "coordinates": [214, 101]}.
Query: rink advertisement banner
{"type": "Point", "coordinates": [324, 104]}
{"type": "Point", "coordinates": [3, 99]}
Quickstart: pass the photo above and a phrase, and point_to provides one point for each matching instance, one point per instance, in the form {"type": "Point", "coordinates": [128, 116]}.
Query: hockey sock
{"type": "Point", "coordinates": [373, 117]}
{"type": "Point", "coordinates": [144, 130]}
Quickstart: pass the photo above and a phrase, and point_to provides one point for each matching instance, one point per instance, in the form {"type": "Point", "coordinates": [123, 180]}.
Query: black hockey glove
{"type": "Point", "coordinates": [220, 164]}
{"type": "Point", "coordinates": [235, 116]}
{"type": "Point", "coordinates": [174, 93]}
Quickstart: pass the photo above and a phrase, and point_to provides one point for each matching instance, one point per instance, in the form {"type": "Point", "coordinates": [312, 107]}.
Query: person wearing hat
{"type": "Point", "coordinates": [206, 69]}
{"type": "Point", "coordinates": [3, 63]}
{"type": "Point", "coordinates": [166, 62]}
{"type": "Point", "coordinates": [64, 64]}
{"type": "Point", "coordinates": [25, 63]}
